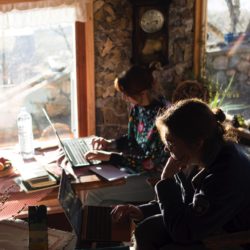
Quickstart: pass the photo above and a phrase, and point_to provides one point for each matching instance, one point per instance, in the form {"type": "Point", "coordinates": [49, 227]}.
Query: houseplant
{"type": "Point", "coordinates": [219, 97]}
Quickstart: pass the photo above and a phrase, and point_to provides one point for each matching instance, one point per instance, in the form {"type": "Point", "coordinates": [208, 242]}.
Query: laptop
{"type": "Point", "coordinates": [110, 172]}
{"type": "Point", "coordinates": [91, 223]}
{"type": "Point", "coordinates": [74, 148]}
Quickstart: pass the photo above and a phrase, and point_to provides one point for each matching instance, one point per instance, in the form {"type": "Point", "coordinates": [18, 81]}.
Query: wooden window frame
{"type": "Point", "coordinates": [200, 19]}
{"type": "Point", "coordinates": [85, 75]}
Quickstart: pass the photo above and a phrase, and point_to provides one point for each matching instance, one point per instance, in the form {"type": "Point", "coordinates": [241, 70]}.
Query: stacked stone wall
{"type": "Point", "coordinates": [223, 66]}
{"type": "Point", "coordinates": [113, 48]}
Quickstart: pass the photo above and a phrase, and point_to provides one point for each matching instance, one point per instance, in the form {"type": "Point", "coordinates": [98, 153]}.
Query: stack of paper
{"type": "Point", "coordinates": [36, 175]}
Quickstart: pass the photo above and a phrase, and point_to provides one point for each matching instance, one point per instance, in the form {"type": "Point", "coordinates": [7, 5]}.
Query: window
{"type": "Point", "coordinates": [223, 28]}
{"type": "Point", "coordinates": [38, 69]}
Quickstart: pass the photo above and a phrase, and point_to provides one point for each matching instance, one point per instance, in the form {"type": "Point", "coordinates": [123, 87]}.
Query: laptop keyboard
{"type": "Point", "coordinates": [99, 223]}
{"type": "Point", "coordinates": [78, 148]}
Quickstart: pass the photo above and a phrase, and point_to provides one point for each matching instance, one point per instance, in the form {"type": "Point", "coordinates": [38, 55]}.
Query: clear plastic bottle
{"type": "Point", "coordinates": [25, 133]}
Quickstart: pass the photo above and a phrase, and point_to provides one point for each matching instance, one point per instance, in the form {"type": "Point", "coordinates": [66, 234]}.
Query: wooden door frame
{"type": "Point", "coordinates": [85, 75]}
{"type": "Point", "coordinates": [200, 19]}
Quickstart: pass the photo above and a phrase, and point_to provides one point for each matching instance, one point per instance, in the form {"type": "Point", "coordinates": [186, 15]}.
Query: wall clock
{"type": "Point", "coordinates": [150, 31]}
{"type": "Point", "coordinates": [152, 21]}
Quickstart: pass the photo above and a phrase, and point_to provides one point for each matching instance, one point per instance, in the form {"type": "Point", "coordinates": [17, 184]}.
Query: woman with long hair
{"type": "Point", "coordinates": [219, 199]}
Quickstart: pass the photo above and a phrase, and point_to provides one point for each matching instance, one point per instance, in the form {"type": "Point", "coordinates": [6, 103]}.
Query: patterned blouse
{"type": "Point", "coordinates": [142, 149]}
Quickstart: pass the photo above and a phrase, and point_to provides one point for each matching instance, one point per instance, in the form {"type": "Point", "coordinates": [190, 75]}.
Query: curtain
{"type": "Point", "coordinates": [41, 12]}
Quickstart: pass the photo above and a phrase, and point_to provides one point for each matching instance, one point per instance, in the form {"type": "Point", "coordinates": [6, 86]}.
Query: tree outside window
{"type": "Point", "coordinates": [37, 70]}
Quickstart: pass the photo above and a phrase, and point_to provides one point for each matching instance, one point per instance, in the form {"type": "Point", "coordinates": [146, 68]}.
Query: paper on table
{"type": "Point", "coordinates": [50, 156]}
{"type": "Point", "coordinates": [33, 170]}
{"type": "Point", "coordinates": [58, 157]}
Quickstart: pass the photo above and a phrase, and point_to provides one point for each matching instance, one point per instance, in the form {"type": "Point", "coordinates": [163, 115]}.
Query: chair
{"type": "Point", "coordinates": [189, 89]}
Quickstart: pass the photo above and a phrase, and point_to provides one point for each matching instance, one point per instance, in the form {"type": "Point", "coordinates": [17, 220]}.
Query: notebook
{"type": "Point", "coordinates": [74, 148]}
{"type": "Point", "coordinates": [35, 174]}
{"type": "Point", "coordinates": [91, 223]}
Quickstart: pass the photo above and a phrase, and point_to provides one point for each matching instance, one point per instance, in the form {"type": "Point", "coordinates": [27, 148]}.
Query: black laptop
{"type": "Point", "coordinates": [92, 223]}
{"type": "Point", "coordinates": [74, 148]}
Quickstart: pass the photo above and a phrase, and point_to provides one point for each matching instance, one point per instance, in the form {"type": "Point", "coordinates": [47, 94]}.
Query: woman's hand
{"type": "Point", "coordinates": [100, 143]}
{"type": "Point", "coordinates": [123, 212]}
{"type": "Point", "coordinates": [98, 155]}
{"type": "Point", "coordinates": [171, 168]}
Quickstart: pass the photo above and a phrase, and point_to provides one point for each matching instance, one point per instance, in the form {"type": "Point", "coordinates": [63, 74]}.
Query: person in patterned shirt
{"type": "Point", "coordinates": [141, 149]}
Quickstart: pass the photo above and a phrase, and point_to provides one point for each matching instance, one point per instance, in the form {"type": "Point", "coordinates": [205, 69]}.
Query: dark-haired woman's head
{"type": "Point", "coordinates": [136, 83]}
{"type": "Point", "coordinates": [193, 126]}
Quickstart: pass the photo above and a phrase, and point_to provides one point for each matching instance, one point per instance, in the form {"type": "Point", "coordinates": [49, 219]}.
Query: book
{"type": "Point", "coordinates": [26, 187]}
{"type": "Point", "coordinates": [35, 174]}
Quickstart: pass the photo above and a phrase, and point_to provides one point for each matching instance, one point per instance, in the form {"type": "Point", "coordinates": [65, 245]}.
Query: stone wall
{"type": "Point", "coordinates": [113, 46]}
{"type": "Point", "coordinates": [225, 64]}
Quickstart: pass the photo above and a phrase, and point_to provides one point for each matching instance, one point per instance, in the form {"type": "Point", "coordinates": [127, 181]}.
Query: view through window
{"type": "Point", "coordinates": [37, 70]}
{"type": "Point", "coordinates": [228, 54]}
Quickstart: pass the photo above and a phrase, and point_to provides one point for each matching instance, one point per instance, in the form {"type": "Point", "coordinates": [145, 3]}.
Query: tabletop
{"type": "Point", "coordinates": [14, 201]}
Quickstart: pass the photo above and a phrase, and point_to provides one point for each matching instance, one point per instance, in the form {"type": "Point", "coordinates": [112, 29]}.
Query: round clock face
{"type": "Point", "coordinates": [152, 21]}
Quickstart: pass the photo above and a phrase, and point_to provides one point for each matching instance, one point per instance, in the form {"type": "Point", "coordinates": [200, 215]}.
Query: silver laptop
{"type": "Point", "coordinates": [74, 148]}
{"type": "Point", "coordinates": [90, 222]}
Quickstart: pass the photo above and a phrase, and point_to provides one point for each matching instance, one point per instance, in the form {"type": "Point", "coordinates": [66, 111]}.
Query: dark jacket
{"type": "Point", "coordinates": [221, 200]}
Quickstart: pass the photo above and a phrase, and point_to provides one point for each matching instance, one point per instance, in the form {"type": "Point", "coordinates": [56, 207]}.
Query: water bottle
{"type": "Point", "coordinates": [25, 133]}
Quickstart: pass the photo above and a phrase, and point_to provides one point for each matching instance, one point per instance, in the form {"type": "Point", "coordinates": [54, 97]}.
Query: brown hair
{"type": "Point", "coordinates": [133, 81]}
{"type": "Point", "coordinates": [191, 120]}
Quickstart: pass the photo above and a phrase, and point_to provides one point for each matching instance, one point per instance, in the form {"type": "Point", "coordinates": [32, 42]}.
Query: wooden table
{"type": "Point", "coordinates": [86, 181]}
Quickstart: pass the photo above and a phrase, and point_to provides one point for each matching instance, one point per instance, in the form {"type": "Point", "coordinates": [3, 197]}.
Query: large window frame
{"type": "Point", "coordinates": [84, 44]}
{"type": "Point", "coordinates": [200, 19]}
{"type": "Point", "coordinates": [85, 75]}
{"type": "Point", "coordinates": [219, 64]}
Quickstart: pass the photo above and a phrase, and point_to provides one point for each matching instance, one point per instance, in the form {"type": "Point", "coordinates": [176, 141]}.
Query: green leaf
{"type": "Point", "coordinates": [224, 93]}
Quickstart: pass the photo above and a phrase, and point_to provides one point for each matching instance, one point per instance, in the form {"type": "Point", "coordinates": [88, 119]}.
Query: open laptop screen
{"type": "Point", "coordinates": [93, 222]}
{"type": "Point", "coordinates": [74, 148]}
{"type": "Point", "coordinates": [70, 203]}
{"type": "Point", "coordinates": [53, 127]}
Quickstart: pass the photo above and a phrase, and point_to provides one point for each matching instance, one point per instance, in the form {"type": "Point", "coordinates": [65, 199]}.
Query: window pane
{"type": "Point", "coordinates": [37, 70]}
{"type": "Point", "coordinates": [228, 53]}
